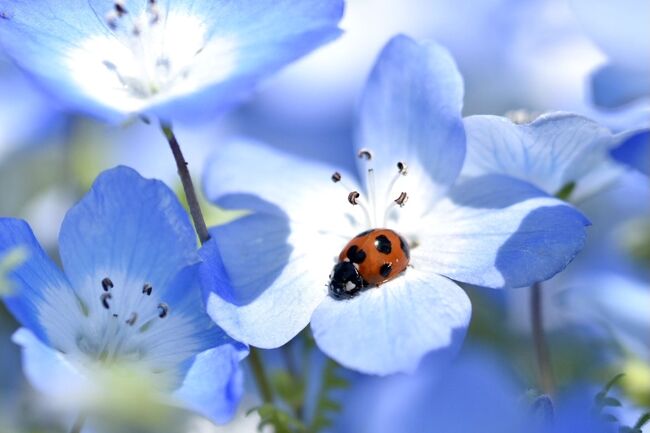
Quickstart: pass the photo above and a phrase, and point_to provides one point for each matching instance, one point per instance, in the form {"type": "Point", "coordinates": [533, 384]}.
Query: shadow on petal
{"type": "Point", "coordinates": [250, 253]}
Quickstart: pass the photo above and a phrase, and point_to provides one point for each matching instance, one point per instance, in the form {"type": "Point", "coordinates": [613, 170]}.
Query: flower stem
{"type": "Point", "coordinates": [190, 193]}
{"type": "Point", "coordinates": [78, 424]}
{"type": "Point", "coordinates": [539, 340]}
{"type": "Point", "coordinates": [259, 374]}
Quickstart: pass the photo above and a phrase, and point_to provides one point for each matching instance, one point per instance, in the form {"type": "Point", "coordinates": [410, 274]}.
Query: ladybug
{"type": "Point", "coordinates": [369, 260]}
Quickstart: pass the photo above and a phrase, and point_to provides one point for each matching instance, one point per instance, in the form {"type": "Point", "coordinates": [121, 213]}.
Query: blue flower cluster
{"type": "Point", "coordinates": [381, 258]}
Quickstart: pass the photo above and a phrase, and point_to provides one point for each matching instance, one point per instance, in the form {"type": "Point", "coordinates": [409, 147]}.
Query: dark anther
{"type": "Point", "coordinates": [104, 298]}
{"type": "Point", "coordinates": [116, 315]}
{"type": "Point", "coordinates": [132, 319]}
{"type": "Point", "coordinates": [163, 310]}
{"type": "Point", "coordinates": [107, 284]}
{"type": "Point", "coordinates": [336, 177]}
{"type": "Point", "coordinates": [352, 197]}
{"type": "Point", "coordinates": [402, 167]}
{"type": "Point", "coordinates": [152, 2]}
{"type": "Point", "coordinates": [402, 199]}
{"type": "Point", "coordinates": [120, 9]}
{"type": "Point", "coordinates": [147, 289]}
{"type": "Point", "coordinates": [365, 154]}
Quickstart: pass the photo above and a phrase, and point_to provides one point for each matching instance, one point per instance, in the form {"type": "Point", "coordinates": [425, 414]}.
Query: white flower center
{"type": "Point", "coordinates": [148, 58]}
{"type": "Point", "coordinates": [118, 322]}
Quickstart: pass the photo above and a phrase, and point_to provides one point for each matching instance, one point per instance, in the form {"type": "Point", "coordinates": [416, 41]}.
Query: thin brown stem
{"type": "Point", "coordinates": [542, 353]}
{"type": "Point", "coordinates": [259, 374]}
{"type": "Point", "coordinates": [188, 186]}
{"type": "Point", "coordinates": [78, 424]}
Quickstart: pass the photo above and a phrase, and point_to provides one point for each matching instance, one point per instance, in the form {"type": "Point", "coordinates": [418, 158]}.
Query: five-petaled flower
{"type": "Point", "coordinates": [130, 298]}
{"type": "Point", "coordinates": [492, 230]}
{"type": "Point", "coordinates": [173, 60]}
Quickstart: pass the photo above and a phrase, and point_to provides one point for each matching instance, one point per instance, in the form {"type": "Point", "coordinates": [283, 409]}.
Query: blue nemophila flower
{"type": "Point", "coordinates": [621, 30]}
{"type": "Point", "coordinates": [173, 59]}
{"type": "Point", "coordinates": [634, 151]}
{"type": "Point", "coordinates": [494, 231]}
{"type": "Point", "coordinates": [130, 298]}
{"type": "Point", "coordinates": [557, 152]}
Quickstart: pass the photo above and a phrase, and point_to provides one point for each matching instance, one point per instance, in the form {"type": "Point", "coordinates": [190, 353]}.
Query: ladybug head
{"type": "Point", "coordinates": [345, 281]}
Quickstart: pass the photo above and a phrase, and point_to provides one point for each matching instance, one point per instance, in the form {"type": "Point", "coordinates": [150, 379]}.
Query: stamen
{"type": "Point", "coordinates": [353, 197]}
{"type": "Point", "coordinates": [402, 199]}
{"type": "Point", "coordinates": [107, 284]}
{"type": "Point", "coordinates": [120, 9]}
{"type": "Point", "coordinates": [336, 177]}
{"type": "Point", "coordinates": [365, 154]}
{"type": "Point", "coordinates": [372, 195]}
{"type": "Point", "coordinates": [111, 20]}
{"type": "Point", "coordinates": [147, 289]}
{"type": "Point", "coordinates": [104, 298]}
{"type": "Point", "coordinates": [402, 170]}
{"type": "Point", "coordinates": [163, 310]}
{"type": "Point", "coordinates": [132, 319]}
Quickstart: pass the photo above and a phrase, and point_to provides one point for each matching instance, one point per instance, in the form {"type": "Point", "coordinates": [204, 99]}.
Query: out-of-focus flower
{"type": "Point", "coordinates": [128, 308]}
{"type": "Point", "coordinates": [557, 152]}
{"type": "Point", "coordinates": [493, 230]}
{"type": "Point", "coordinates": [8, 261]}
{"type": "Point", "coordinates": [621, 30]}
{"type": "Point", "coordinates": [635, 151]}
{"type": "Point", "coordinates": [617, 304]}
{"type": "Point", "coordinates": [25, 114]}
{"type": "Point", "coordinates": [478, 393]}
{"type": "Point", "coordinates": [174, 60]}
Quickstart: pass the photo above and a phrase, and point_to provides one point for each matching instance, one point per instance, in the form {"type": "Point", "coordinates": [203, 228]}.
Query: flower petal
{"type": "Point", "coordinates": [129, 229]}
{"type": "Point", "coordinates": [411, 112]}
{"type": "Point", "coordinates": [497, 231]}
{"type": "Point", "coordinates": [552, 151]}
{"type": "Point", "coordinates": [613, 86]}
{"type": "Point", "coordinates": [214, 384]}
{"type": "Point", "coordinates": [48, 370]}
{"type": "Point", "coordinates": [389, 329]}
{"type": "Point", "coordinates": [33, 278]}
{"type": "Point", "coordinates": [261, 36]}
{"type": "Point", "coordinates": [278, 274]}
{"type": "Point", "coordinates": [635, 151]}
{"type": "Point", "coordinates": [217, 51]}
{"type": "Point", "coordinates": [247, 175]}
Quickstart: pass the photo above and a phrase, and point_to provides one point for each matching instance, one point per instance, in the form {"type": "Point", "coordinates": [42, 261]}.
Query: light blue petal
{"type": "Point", "coordinates": [478, 393]}
{"type": "Point", "coordinates": [213, 385]}
{"type": "Point", "coordinates": [32, 278]}
{"type": "Point", "coordinates": [635, 151]}
{"type": "Point", "coordinates": [282, 184]}
{"type": "Point", "coordinates": [411, 112]}
{"type": "Point", "coordinates": [613, 85]}
{"type": "Point", "coordinates": [268, 34]}
{"type": "Point", "coordinates": [129, 229]}
{"type": "Point", "coordinates": [276, 277]}
{"type": "Point", "coordinates": [389, 329]}
{"type": "Point", "coordinates": [263, 36]}
{"type": "Point", "coordinates": [552, 151]}
{"type": "Point", "coordinates": [47, 370]}
{"type": "Point", "coordinates": [496, 231]}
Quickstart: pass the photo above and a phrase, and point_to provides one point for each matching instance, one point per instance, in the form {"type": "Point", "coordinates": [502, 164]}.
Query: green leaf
{"type": "Point", "coordinates": [281, 421]}
{"type": "Point", "coordinates": [291, 389]}
{"type": "Point", "coordinates": [565, 192]}
{"type": "Point", "coordinates": [643, 420]}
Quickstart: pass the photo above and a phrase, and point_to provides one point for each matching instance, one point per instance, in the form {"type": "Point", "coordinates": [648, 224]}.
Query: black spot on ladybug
{"type": "Point", "coordinates": [385, 270]}
{"type": "Point", "coordinates": [362, 234]}
{"type": "Point", "coordinates": [356, 255]}
{"type": "Point", "coordinates": [383, 245]}
{"type": "Point", "coordinates": [405, 247]}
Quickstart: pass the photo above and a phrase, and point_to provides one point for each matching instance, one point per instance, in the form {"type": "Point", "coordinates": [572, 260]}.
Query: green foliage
{"type": "Point", "coordinates": [565, 192]}
{"type": "Point", "coordinates": [280, 420]}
